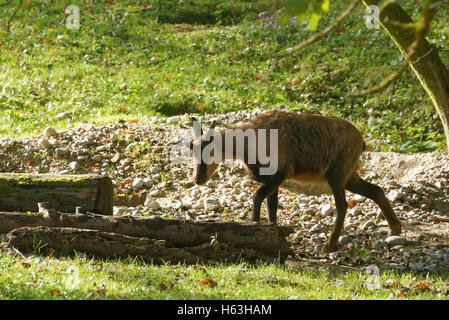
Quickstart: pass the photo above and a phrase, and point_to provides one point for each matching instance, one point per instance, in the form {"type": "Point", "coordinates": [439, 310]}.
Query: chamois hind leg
{"type": "Point", "coordinates": [375, 193]}
{"type": "Point", "coordinates": [270, 185]}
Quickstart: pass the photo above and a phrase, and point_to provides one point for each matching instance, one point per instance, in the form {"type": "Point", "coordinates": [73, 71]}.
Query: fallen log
{"type": "Point", "coordinates": [113, 245]}
{"type": "Point", "coordinates": [100, 244]}
{"type": "Point", "coordinates": [265, 238]}
{"type": "Point", "coordinates": [22, 192]}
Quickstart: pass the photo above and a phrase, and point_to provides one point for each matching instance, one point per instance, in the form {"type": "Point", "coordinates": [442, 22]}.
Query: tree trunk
{"type": "Point", "coordinates": [268, 239]}
{"type": "Point", "coordinates": [22, 192]}
{"type": "Point", "coordinates": [425, 62]}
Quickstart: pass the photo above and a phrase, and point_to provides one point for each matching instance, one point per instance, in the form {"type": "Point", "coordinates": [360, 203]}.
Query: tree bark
{"type": "Point", "coordinates": [100, 244]}
{"type": "Point", "coordinates": [425, 62]}
{"type": "Point", "coordinates": [268, 239]}
{"type": "Point", "coordinates": [112, 245]}
{"type": "Point", "coordinates": [22, 192]}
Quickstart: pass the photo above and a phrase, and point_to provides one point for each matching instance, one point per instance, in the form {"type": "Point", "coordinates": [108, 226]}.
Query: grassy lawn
{"type": "Point", "coordinates": [40, 277]}
{"type": "Point", "coordinates": [203, 56]}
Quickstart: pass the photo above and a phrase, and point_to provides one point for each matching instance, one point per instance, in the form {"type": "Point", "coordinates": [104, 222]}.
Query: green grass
{"type": "Point", "coordinates": [204, 56]}
{"type": "Point", "coordinates": [40, 277]}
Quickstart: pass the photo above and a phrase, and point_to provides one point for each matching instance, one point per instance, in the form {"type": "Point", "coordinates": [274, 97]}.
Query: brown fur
{"type": "Point", "coordinates": [311, 149]}
{"type": "Point", "coordinates": [312, 144]}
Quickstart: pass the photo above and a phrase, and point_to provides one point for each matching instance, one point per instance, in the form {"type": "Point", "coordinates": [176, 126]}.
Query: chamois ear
{"type": "Point", "coordinates": [193, 122]}
{"type": "Point", "coordinates": [213, 124]}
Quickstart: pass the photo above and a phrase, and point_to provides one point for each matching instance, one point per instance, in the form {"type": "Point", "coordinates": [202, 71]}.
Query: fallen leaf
{"type": "Point", "coordinates": [423, 286]}
{"type": "Point", "coordinates": [352, 203]}
{"type": "Point", "coordinates": [209, 281]}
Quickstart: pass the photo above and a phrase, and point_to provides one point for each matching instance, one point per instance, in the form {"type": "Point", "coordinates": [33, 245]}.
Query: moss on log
{"type": "Point", "coordinates": [22, 192]}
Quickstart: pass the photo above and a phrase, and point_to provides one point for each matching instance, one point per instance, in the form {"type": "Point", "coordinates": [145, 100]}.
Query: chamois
{"type": "Point", "coordinates": [310, 149]}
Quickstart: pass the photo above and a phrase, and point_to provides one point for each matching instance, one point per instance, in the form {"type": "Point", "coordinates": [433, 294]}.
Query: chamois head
{"type": "Point", "coordinates": [202, 149]}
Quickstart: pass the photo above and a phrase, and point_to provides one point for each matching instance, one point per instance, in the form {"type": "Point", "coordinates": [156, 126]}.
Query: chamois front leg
{"type": "Point", "coordinates": [268, 189]}
{"type": "Point", "coordinates": [342, 206]}
{"type": "Point", "coordinates": [272, 206]}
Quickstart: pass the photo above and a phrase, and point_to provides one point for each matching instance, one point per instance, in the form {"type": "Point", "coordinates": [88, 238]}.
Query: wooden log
{"type": "Point", "coordinates": [113, 245]}
{"type": "Point", "coordinates": [22, 192]}
{"type": "Point", "coordinates": [265, 238]}
{"type": "Point", "coordinates": [100, 244]}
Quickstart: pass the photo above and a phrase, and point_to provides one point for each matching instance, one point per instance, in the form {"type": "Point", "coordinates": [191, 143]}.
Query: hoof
{"type": "Point", "coordinates": [395, 231]}
{"type": "Point", "coordinates": [328, 248]}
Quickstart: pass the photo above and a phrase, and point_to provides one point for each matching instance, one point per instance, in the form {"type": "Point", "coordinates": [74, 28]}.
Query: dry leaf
{"type": "Point", "coordinates": [352, 203]}
{"type": "Point", "coordinates": [209, 281]}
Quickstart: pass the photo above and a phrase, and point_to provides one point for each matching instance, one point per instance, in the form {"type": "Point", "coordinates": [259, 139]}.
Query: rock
{"type": "Point", "coordinates": [309, 211]}
{"type": "Point", "coordinates": [154, 193]}
{"type": "Point", "coordinates": [126, 162]}
{"type": "Point", "coordinates": [199, 205]}
{"type": "Point", "coordinates": [97, 157]}
{"type": "Point", "coordinates": [102, 148]}
{"type": "Point", "coordinates": [115, 158]}
{"type": "Point", "coordinates": [176, 205]}
{"type": "Point", "coordinates": [73, 165]}
{"type": "Point", "coordinates": [446, 258]}
{"type": "Point", "coordinates": [43, 143]}
{"type": "Point", "coordinates": [138, 183]}
{"type": "Point", "coordinates": [246, 183]}
{"type": "Point", "coordinates": [394, 196]}
{"type": "Point", "coordinates": [148, 182]}
{"type": "Point", "coordinates": [334, 255]}
{"type": "Point", "coordinates": [344, 240]}
{"type": "Point", "coordinates": [119, 210]}
{"type": "Point", "coordinates": [327, 210]}
{"type": "Point", "coordinates": [61, 151]}
{"type": "Point", "coordinates": [368, 224]}
{"type": "Point", "coordinates": [418, 266]}
{"type": "Point", "coordinates": [317, 228]}
{"type": "Point", "coordinates": [383, 224]}
{"type": "Point", "coordinates": [316, 239]}
{"type": "Point", "coordinates": [318, 248]}
{"type": "Point", "coordinates": [155, 169]}
{"type": "Point", "coordinates": [211, 204]}
{"type": "Point", "coordinates": [50, 132]}
{"type": "Point", "coordinates": [152, 204]}
{"type": "Point", "coordinates": [431, 267]}
{"type": "Point", "coordinates": [395, 240]}
{"type": "Point", "coordinates": [379, 245]}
